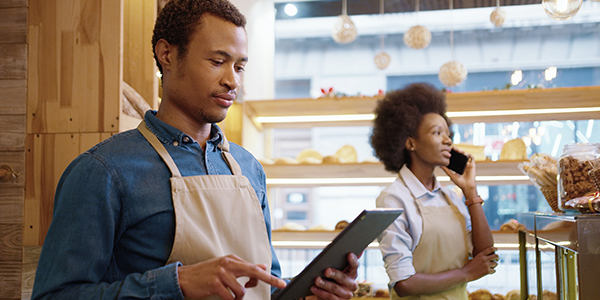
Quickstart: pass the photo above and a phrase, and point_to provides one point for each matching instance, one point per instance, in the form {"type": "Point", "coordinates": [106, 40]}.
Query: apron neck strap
{"type": "Point", "coordinates": [233, 165]}
{"type": "Point", "coordinates": [160, 149]}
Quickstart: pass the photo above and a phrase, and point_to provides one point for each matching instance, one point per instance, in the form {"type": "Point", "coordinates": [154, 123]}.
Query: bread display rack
{"type": "Point", "coordinates": [575, 103]}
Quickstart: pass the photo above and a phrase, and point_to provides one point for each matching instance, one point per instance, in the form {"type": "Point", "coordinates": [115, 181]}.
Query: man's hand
{"type": "Point", "coordinates": [342, 286]}
{"type": "Point", "coordinates": [217, 276]}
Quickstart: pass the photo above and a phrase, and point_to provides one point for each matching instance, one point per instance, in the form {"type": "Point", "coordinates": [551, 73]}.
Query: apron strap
{"type": "Point", "coordinates": [158, 146]}
{"type": "Point", "coordinates": [233, 165]}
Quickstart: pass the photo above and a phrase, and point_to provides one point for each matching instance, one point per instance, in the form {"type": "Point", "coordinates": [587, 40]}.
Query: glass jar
{"type": "Point", "coordinates": [574, 166]}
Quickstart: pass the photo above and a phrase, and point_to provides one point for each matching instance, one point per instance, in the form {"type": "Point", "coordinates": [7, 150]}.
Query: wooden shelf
{"type": "Point", "coordinates": [320, 173]}
{"type": "Point", "coordinates": [543, 100]}
{"type": "Point", "coordinates": [289, 239]}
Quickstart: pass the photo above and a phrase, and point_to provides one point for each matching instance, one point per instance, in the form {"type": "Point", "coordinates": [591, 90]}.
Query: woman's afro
{"type": "Point", "coordinates": [398, 116]}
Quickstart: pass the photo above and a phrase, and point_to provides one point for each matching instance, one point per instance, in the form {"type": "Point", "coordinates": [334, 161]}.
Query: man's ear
{"type": "Point", "coordinates": [164, 53]}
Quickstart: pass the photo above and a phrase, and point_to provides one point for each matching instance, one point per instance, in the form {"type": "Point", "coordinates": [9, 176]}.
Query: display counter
{"type": "Point", "coordinates": [566, 254]}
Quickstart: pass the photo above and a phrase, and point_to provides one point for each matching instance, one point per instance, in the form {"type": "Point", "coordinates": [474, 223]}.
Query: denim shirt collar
{"type": "Point", "coordinates": [168, 134]}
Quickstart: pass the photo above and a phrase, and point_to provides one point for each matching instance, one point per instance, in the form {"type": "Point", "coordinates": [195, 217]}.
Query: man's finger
{"type": "Point", "coordinates": [256, 272]}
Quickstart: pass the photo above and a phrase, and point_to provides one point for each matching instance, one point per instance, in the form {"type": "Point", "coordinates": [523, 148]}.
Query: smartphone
{"type": "Point", "coordinates": [458, 162]}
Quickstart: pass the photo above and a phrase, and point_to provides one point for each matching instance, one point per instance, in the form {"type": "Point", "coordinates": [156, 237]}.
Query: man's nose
{"type": "Point", "coordinates": [231, 79]}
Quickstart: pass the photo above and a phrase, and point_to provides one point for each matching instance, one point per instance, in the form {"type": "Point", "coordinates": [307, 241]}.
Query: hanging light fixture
{"type": "Point", "coordinates": [344, 31]}
{"type": "Point", "coordinates": [498, 16]}
{"type": "Point", "coordinates": [382, 59]}
{"type": "Point", "coordinates": [417, 37]}
{"type": "Point", "coordinates": [561, 9]}
{"type": "Point", "coordinates": [453, 72]}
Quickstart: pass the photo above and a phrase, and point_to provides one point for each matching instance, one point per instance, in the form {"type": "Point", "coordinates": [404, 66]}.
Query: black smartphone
{"type": "Point", "coordinates": [458, 162]}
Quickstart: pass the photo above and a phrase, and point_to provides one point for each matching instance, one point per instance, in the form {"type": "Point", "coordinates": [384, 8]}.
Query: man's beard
{"type": "Point", "coordinates": [212, 118]}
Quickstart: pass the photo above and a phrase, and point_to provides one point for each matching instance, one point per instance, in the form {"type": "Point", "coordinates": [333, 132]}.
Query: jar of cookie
{"type": "Point", "coordinates": [574, 166]}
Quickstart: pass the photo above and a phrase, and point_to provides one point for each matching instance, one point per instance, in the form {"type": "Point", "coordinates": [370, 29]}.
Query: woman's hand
{"type": "Point", "coordinates": [482, 264]}
{"type": "Point", "coordinates": [466, 181]}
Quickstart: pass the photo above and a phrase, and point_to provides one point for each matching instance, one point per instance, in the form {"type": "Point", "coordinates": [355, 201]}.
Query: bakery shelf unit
{"type": "Point", "coordinates": [319, 239]}
{"type": "Point", "coordinates": [575, 103]}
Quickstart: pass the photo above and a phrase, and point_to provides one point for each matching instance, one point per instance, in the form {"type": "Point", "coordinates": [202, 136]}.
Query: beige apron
{"type": "Point", "coordinates": [216, 215]}
{"type": "Point", "coordinates": [443, 246]}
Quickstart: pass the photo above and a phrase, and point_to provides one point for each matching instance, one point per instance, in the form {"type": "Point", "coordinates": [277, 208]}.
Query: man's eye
{"type": "Point", "coordinates": [240, 68]}
{"type": "Point", "coordinates": [217, 62]}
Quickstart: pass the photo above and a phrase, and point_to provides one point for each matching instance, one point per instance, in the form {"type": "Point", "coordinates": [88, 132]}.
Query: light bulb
{"type": "Point", "coordinates": [290, 10]}
{"type": "Point", "coordinates": [561, 9]}
{"type": "Point", "coordinates": [516, 77]}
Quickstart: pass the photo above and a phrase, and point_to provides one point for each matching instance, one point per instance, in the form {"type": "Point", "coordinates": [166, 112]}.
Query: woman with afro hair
{"type": "Point", "coordinates": [439, 243]}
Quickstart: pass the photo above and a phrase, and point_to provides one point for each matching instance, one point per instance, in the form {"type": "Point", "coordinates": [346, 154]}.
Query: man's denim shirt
{"type": "Point", "coordinates": [114, 224]}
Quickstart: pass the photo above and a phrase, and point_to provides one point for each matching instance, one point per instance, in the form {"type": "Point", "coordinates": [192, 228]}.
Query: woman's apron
{"type": "Point", "coordinates": [216, 215]}
{"type": "Point", "coordinates": [443, 246]}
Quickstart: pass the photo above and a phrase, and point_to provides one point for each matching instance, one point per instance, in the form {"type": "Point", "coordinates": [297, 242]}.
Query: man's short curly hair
{"type": "Point", "coordinates": [398, 117]}
{"type": "Point", "coordinates": [179, 19]}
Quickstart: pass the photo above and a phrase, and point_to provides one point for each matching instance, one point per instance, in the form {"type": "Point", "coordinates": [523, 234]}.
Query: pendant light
{"type": "Point", "coordinates": [561, 9]}
{"type": "Point", "coordinates": [417, 37]}
{"type": "Point", "coordinates": [498, 16]}
{"type": "Point", "coordinates": [343, 31]}
{"type": "Point", "coordinates": [453, 72]}
{"type": "Point", "coordinates": [382, 59]}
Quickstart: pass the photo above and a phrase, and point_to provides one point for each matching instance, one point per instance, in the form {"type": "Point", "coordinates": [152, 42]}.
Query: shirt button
{"type": "Point", "coordinates": [175, 143]}
{"type": "Point", "coordinates": [186, 139]}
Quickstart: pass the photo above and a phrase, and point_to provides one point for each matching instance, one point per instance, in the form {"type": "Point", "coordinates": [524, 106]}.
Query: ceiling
{"type": "Point", "coordinates": [329, 8]}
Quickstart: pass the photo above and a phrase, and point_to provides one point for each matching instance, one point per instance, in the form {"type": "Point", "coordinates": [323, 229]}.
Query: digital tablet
{"type": "Point", "coordinates": [354, 238]}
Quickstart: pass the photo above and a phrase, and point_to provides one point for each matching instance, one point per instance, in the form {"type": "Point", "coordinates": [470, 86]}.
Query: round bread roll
{"type": "Point", "coordinates": [310, 161]}
{"type": "Point", "coordinates": [332, 159]}
{"type": "Point", "coordinates": [309, 156]}
{"type": "Point", "coordinates": [341, 224]}
{"type": "Point", "coordinates": [514, 149]}
{"type": "Point", "coordinates": [512, 225]}
{"type": "Point", "coordinates": [548, 295]}
{"type": "Point", "coordinates": [481, 294]}
{"type": "Point", "coordinates": [285, 161]}
{"type": "Point", "coordinates": [508, 226]}
{"type": "Point", "coordinates": [320, 227]}
{"type": "Point", "coordinates": [382, 293]}
{"type": "Point", "coordinates": [266, 161]}
{"type": "Point", "coordinates": [498, 297]}
{"type": "Point", "coordinates": [292, 226]}
{"type": "Point", "coordinates": [513, 295]}
{"type": "Point", "coordinates": [371, 160]}
{"type": "Point", "coordinates": [347, 154]}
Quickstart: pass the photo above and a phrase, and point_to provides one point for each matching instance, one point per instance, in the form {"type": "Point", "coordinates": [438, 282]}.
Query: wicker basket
{"type": "Point", "coordinates": [551, 195]}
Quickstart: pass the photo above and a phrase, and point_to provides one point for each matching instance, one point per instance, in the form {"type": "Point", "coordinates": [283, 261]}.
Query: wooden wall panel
{"type": "Point", "coordinates": [31, 256]}
{"type": "Point", "coordinates": [75, 66]}
{"type": "Point", "coordinates": [14, 22]}
{"type": "Point", "coordinates": [48, 155]}
{"type": "Point", "coordinates": [10, 273]}
{"type": "Point", "coordinates": [13, 62]}
{"type": "Point", "coordinates": [13, 95]}
{"type": "Point", "coordinates": [13, 3]}
{"type": "Point", "coordinates": [139, 68]}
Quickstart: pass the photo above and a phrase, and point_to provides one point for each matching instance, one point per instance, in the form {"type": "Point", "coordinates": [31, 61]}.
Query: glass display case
{"type": "Point", "coordinates": [566, 252]}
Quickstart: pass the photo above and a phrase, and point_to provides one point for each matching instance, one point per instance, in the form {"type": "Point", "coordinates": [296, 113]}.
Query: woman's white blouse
{"type": "Point", "coordinates": [399, 240]}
